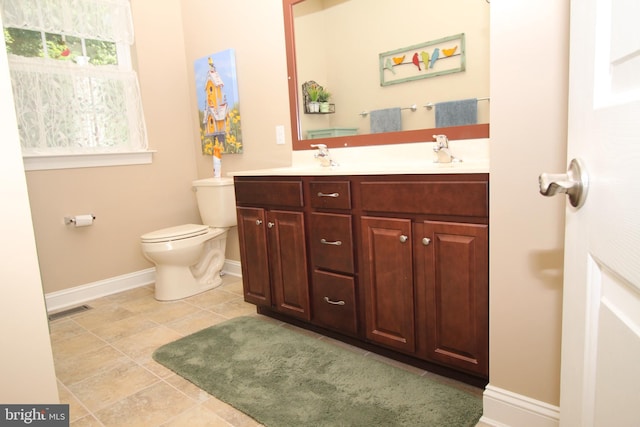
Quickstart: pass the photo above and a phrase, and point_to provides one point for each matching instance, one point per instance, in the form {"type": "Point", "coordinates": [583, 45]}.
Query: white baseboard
{"type": "Point", "coordinates": [80, 294]}
{"type": "Point", "coordinates": [232, 268]}
{"type": "Point", "coordinates": [502, 408]}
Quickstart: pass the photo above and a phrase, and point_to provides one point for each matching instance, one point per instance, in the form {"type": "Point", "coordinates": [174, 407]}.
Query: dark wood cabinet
{"type": "Point", "coordinates": [452, 288]}
{"type": "Point", "coordinates": [254, 254]}
{"type": "Point", "coordinates": [332, 241]}
{"type": "Point", "coordinates": [288, 263]}
{"type": "Point", "coordinates": [398, 263]}
{"type": "Point", "coordinates": [334, 301]}
{"type": "Point", "coordinates": [273, 246]}
{"type": "Point", "coordinates": [425, 268]}
{"type": "Point", "coordinates": [333, 280]}
{"type": "Point", "coordinates": [387, 280]}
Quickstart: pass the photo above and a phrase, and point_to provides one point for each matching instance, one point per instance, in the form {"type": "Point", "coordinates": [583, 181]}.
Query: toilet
{"type": "Point", "coordinates": [189, 257]}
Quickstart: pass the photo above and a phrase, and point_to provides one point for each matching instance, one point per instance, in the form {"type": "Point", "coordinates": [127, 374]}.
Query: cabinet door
{"type": "Point", "coordinates": [288, 262]}
{"type": "Point", "coordinates": [254, 255]}
{"type": "Point", "coordinates": [387, 279]}
{"type": "Point", "coordinates": [452, 283]}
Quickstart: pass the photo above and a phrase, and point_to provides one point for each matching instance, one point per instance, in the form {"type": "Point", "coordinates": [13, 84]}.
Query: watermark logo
{"type": "Point", "coordinates": [34, 415]}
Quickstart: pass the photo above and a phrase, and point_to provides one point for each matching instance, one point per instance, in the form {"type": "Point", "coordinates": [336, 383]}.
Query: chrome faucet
{"type": "Point", "coordinates": [442, 150]}
{"type": "Point", "coordinates": [323, 155]}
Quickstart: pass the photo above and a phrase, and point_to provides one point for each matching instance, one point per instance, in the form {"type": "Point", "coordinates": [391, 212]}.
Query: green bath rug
{"type": "Point", "coordinates": [284, 378]}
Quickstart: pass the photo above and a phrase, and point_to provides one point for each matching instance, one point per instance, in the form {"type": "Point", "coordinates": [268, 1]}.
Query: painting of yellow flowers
{"type": "Point", "coordinates": [218, 103]}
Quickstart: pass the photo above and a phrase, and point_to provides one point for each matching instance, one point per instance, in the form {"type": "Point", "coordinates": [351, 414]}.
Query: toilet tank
{"type": "Point", "coordinates": [216, 201]}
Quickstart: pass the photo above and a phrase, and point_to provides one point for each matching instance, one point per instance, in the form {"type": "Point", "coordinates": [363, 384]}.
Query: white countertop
{"type": "Point", "coordinates": [415, 158]}
{"type": "Point", "coordinates": [371, 169]}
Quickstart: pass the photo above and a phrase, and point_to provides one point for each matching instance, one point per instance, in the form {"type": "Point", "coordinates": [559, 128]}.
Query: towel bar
{"type": "Point", "coordinates": [414, 107]}
{"type": "Point", "coordinates": [430, 105]}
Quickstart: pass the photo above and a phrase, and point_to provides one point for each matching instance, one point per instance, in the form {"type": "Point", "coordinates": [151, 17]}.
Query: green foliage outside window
{"type": "Point", "coordinates": [29, 43]}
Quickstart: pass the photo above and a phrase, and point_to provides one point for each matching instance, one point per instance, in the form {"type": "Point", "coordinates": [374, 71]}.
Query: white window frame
{"type": "Point", "coordinates": [62, 160]}
{"type": "Point", "coordinates": [88, 160]}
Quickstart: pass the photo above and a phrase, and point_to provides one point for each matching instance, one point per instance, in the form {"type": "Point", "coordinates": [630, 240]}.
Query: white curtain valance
{"type": "Point", "coordinates": [65, 108]}
{"type": "Point", "coordinates": [108, 20]}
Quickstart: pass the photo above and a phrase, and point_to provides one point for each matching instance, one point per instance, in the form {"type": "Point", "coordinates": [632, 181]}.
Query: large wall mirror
{"type": "Point", "coordinates": [338, 45]}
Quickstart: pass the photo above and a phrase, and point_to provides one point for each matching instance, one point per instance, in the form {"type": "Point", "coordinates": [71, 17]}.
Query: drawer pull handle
{"type": "Point", "coordinates": [258, 222]}
{"type": "Point", "coordinates": [326, 242]}
{"type": "Point", "coordinates": [333, 302]}
{"type": "Point", "coordinates": [328, 194]}
{"type": "Point", "coordinates": [403, 238]}
{"type": "Point", "coordinates": [426, 241]}
{"type": "Point", "coordinates": [270, 224]}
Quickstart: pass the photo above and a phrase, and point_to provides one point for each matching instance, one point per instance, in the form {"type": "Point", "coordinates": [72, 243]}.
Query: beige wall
{"type": "Point", "coordinates": [529, 72]}
{"type": "Point", "coordinates": [255, 30]}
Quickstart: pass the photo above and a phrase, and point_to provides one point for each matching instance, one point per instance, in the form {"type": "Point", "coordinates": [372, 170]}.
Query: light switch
{"type": "Point", "coordinates": [280, 134]}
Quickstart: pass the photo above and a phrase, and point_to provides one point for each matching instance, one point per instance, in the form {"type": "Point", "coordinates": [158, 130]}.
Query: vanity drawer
{"type": "Point", "coordinates": [332, 242]}
{"type": "Point", "coordinates": [330, 194]}
{"type": "Point", "coordinates": [334, 301]}
{"type": "Point", "coordinates": [460, 198]}
{"type": "Point", "coordinates": [269, 192]}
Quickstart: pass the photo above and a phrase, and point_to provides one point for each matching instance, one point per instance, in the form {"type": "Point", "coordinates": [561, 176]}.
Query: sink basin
{"type": "Point", "coordinates": [392, 159]}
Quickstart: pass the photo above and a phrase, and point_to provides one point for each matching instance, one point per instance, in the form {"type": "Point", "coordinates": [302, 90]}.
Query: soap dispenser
{"type": "Point", "coordinates": [217, 162]}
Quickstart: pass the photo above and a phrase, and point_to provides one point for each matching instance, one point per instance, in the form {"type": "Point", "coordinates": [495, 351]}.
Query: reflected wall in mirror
{"type": "Point", "coordinates": [337, 43]}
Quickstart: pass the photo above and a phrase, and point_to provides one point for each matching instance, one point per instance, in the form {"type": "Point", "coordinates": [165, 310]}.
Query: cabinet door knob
{"type": "Point", "coordinates": [333, 302]}
{"type": "Point", "coordinates": [270, 224]}
{"type": "Point", "coordinates": [403, 238]}
{"type": "Point", "coordinates": [326, 242]}
{"type": "Point", "coordinates": [426, 241]}
{"type": "Point", "coordinates": [328, 194]}
{"type": "Point", "coordinates": [258, 222]}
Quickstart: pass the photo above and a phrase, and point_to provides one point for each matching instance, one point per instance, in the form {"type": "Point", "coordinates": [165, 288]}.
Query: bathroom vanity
{"type": "Point", "coordinates": [396, 263]}
{"type": "Point", "coordinates": [390, 252]}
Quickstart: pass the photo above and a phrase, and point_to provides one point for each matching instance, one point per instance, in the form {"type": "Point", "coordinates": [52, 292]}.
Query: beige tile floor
{"type": "Point", "coordinates": [106, 373]}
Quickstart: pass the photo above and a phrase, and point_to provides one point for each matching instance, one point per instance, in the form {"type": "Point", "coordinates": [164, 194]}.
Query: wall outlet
{"type": "Point", "coordinates": [280, 134]}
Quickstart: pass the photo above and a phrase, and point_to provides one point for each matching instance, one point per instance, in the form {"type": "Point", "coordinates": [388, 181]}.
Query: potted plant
{"type": "Point", "coordinates": [314, 94]}
{"type": "Point", "coordinates": [323, 99]}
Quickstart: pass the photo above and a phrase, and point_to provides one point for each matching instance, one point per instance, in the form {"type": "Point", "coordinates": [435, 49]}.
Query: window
{"type": "Point", "coordinates": [76, 96]}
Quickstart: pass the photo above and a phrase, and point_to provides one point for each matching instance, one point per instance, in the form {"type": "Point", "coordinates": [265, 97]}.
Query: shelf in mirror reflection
{"type": "Point", "coordinates": [331, 132]}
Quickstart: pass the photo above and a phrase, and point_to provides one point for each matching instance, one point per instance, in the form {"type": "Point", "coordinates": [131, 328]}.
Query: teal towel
{"type": "Point", "coordinates": [387, 120]}
{"type": "Point", "coordinates": [457, 113]}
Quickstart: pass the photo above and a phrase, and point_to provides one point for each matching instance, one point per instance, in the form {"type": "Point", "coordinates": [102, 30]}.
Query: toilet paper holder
{"type": "Point", "coordinates": [72, 219]}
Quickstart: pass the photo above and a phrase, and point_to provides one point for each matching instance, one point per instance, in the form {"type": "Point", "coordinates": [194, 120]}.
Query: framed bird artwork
{"type": "Point", "coordinates": [420, 61]}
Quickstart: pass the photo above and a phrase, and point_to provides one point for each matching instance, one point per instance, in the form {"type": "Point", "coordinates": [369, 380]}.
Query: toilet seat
{"type": "Point", "coordinates": [178, 232]}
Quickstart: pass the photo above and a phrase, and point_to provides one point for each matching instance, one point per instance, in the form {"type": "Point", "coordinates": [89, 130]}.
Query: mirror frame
{"type": "Point", "coordinates": [418, 135]}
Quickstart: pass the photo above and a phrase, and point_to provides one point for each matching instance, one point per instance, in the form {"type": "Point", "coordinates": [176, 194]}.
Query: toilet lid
{"type": "Point", "coordinates": [175, 233]}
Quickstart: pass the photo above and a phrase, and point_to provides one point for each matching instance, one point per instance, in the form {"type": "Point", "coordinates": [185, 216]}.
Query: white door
{"type": "Point", "coordinates": [600, 378]}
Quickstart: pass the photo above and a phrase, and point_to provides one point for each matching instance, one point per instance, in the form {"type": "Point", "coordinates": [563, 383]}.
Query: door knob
{"type": "Point", "coordinates": [574, 183]}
